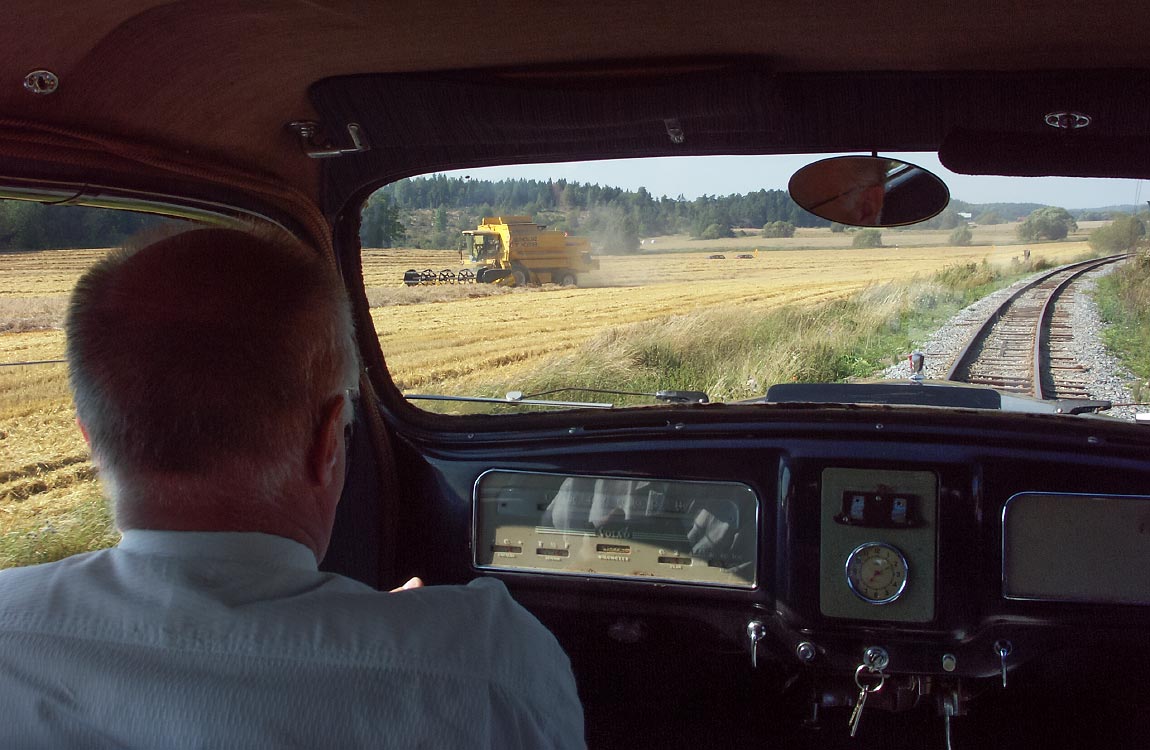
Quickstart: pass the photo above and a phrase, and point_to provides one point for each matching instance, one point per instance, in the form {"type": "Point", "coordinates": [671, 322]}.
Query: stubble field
{"type": "Point", "coordinates": [448, 339]}
{"type": "Point", "coordinates": [474, 342]}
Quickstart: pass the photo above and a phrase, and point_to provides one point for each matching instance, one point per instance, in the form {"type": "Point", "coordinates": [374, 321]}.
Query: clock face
{"type": "Point", "coordinates": [877, 572]}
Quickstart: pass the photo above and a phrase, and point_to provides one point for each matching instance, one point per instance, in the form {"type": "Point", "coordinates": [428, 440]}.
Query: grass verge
{"type": "Point", "coordinates": [733, 353]}
{"type": "Point", "coordinates": [1123, 299]}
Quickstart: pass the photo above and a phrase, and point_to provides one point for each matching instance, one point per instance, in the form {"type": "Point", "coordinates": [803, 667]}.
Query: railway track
{"type": "Point", "coordinates": [1023, 345]}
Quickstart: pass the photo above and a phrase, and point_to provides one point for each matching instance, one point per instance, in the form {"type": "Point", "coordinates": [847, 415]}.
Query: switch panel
{"type": "Point", "coordinates": [878, 544]}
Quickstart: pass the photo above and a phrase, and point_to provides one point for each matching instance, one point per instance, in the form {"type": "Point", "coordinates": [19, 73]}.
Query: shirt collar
{"type": "Point", "coordinates": [233, 546]}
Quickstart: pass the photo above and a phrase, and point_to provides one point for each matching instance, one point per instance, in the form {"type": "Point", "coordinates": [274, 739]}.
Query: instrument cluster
{"type": "Point", "coordinates": [695, 533]}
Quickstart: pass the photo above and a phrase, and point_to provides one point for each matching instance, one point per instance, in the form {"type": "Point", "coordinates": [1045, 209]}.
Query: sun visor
{"type": "Point", "coordinates": [1070, 154]}
{"type": "Point", "coordinates": [428, 122]}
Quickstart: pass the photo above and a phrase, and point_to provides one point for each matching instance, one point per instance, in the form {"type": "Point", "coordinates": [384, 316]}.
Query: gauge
{"type": "Point", "coordinates": [877, 572]}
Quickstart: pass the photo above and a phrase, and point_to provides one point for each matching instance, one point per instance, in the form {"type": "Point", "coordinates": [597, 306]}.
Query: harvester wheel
{"type": "Point", "coordinates": [447, 276]}
{"type": "Point", "coordinates": [519, 273]}
{"type": "Point", "coordinates": [427, 277]}
{"type": "Point", "coordinates": [566, 278]}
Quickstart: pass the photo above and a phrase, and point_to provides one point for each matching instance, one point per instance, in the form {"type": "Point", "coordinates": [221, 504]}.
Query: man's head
{"type": "Point", "coordinates": [205, 368]}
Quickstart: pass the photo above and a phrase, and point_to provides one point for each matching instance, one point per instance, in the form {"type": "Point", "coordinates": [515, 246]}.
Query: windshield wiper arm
{"type": "Point", "coordinates": [518, 399]}
{"type": "Point", "coordinates": [675, 397]}
{"type": "Point", "coordinates": [511, 401]}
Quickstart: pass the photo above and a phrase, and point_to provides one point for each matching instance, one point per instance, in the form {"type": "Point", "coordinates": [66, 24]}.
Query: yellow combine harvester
{"type": "Point", "coordinates": [515, 250]}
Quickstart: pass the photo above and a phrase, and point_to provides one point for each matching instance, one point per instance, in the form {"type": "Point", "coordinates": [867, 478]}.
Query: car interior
{"type": "Point", "coordinates": [709, 567]}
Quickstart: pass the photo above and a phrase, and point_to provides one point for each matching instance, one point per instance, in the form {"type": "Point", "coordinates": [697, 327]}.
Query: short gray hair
{"type": "Point", "coordinates": [206, 357]}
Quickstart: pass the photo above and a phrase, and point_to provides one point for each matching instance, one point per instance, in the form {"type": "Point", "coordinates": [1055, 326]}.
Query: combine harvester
{"type": "Point", "coordinates": [516, 251]}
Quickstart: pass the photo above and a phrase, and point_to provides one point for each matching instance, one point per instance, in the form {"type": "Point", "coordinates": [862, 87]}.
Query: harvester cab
{"type": "Point", "coordinates": [482, 247]}
{"type": "Point", "coordinates": [487, 248]}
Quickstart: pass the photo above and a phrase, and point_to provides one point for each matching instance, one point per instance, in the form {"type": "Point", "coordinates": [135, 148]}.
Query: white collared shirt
{"type": "Point", "coordinates": [182, 639]}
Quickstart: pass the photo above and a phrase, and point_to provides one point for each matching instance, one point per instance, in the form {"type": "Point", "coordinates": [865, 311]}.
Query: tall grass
{"type": "Point", "coordinates": [82, 524]}
{"type": "Point", "coordinates": [1123, 299]}
{"type": "Point", "coordinates": [734, 353]}
{"type": "Point", "coordinates": [976, 280]}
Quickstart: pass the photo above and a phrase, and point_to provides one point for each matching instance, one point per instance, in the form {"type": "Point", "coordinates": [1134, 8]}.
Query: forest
{"type": "Point", "coordinates": [36, 226]}
{"type": "Point", "coordinates": [614, 218]}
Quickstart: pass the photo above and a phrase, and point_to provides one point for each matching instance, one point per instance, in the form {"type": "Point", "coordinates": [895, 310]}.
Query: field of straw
{"type": "Point", "coordinates": [460, 346]}
{"type": "Point", "coordinates": [443, 339]}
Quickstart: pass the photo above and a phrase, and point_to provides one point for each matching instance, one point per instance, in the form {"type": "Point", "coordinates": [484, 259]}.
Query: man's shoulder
{"type": "Point", "coordinates": [47, 595]}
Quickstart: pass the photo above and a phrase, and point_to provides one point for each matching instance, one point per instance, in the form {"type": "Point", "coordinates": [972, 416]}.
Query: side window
{"type": "Point", "coordinates": [50, 500]}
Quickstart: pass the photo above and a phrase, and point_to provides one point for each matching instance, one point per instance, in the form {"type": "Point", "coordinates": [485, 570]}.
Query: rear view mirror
{"type": "Point", "coordinates": [868, 191]}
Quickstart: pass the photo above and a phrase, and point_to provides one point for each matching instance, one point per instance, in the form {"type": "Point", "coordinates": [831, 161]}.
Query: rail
{"type": "Point", "coordinates": [1025, 316]}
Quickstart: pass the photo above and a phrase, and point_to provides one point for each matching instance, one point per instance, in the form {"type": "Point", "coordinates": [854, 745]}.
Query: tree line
{"type": "Point", "coordinates": [614, 218]}
{"type": "Point", "coordinates": [34, 226]}
{"type": "Point", "coordinates": [652, 215]}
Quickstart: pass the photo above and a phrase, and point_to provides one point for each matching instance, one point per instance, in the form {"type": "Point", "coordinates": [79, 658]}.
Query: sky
{"type": "Point", "coordinates": [695, 176]}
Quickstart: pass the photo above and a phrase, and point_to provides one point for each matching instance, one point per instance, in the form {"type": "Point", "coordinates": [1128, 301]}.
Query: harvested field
{"type": "Point", "coordinates": [456, 347]}
{"type": "Point", "coordinates": [41, 273]}
{"type": "Point", "coordinates": [36, 285]}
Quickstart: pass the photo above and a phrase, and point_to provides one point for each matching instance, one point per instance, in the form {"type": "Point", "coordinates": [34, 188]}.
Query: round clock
{"type": "Point", "coordinates": [877, 572]}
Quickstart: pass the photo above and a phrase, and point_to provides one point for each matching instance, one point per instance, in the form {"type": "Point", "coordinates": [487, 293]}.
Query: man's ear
{"type": "Point", "coordinates": [323, 456]}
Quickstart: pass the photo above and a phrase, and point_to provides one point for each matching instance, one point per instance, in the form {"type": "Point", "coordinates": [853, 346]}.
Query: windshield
{"type": "Point", "coordinates": [483, 247]}
{"type": "Point", "coordinates": [618, 284]}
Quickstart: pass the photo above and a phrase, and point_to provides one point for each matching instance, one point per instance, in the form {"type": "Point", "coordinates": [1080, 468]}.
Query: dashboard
{"type": "Point", "coordinates": [953, 551]}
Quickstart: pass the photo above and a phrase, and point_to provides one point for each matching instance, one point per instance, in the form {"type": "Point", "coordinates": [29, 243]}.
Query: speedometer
{"type": "Point", "coordinates": [877, 572]}
{"type": "Point", "coordinates": [690, 532]}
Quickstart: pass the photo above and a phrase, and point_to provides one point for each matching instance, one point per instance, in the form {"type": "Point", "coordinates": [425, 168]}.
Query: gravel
{"type": "Point", "coordinates": [1108, 377]}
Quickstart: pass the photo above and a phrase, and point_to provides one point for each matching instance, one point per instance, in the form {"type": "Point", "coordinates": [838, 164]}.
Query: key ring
{"type": "Point", "coordinates": [872, 688]}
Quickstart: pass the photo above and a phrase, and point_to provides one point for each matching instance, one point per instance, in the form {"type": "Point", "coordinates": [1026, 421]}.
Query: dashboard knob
{"type": "Point", "coordinates": [756, 631]}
